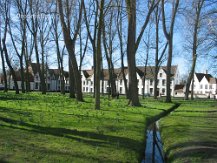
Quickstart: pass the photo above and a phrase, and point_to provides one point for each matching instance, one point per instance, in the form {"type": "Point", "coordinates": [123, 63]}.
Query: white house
{"type": "Point", "coordinates": [88, 79]}
{"type": "Point", "coordinates": [204, 85]}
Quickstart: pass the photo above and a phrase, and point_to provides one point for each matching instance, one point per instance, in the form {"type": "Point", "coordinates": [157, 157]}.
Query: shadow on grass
{"type": "Point", "coordinates": [29, 113]}
{"type": "Point", "coordinates": [3, 161]}
{"type": "Point", "coordinates": [4, 98]}
{"type": "Point", "coordinates": [90, 138]}
{"type": "Point", "coordinates": [163, 114]}
{"type": "Point", "coordinates": [204, 150]}
{"type": "Point", "coordinates": [196, 111]}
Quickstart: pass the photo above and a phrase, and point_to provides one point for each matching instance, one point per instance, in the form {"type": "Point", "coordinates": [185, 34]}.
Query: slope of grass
{"type": "Point", "coordinates": [189, 134]}
{"type": "Point", "coordinates": [54, 128]}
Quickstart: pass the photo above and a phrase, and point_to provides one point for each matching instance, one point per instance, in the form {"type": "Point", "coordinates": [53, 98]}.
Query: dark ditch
{"type": "Point", "coordinates": [154, 147]}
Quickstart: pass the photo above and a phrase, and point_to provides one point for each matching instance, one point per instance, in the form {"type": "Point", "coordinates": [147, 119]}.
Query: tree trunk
{"type": "Point", "coordinates": [133, 85]}
{"type": "Point", "coordinates": [39, 68]}
{"type": "Point", "coordinates": [156, 52]}
{"type": "Point", "coordinates": [71, 81]}
{"type": "Point", "coordinates": [22, 75]}
{"type": "Point", "coordinates": [98, 57]}
{"type": "Point", "coordinates": [190, 78]}
{"type": "Point", "coordinates": [169, 37]}
{"type": "Point", "coordinates": [194, 50]}
{"type": "Point", "coordinates": [3, 68]}
{"type": "Point", "coordinates": [10, 67]}
{"type": "Point", "coordinates": [70, 46]}
{"type": "Point", "coordinates": [27, 77]}
{"type": "Point", "coordinates": [168, 74]}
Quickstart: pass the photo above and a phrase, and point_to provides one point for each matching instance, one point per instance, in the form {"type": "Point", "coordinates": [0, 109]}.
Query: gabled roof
{"type": "Point", "coordinates": [150, 71]}
{"type": "Point", "coordinates": [201, 75]}
{"type": "Point", "coordinates": [88, 73]}
{"type": "Point", "coordinates": [19, 78]}
{"type": "Point", "coordinates": [56, 73]}
{"type": "Point", "coordinates": [179, 87]}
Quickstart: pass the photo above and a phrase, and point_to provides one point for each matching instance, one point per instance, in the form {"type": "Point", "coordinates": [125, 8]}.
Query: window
{"type": "Point", "coordinates": [121, 82]}
{"type": "Point", "coordinates": [210, 86]}
{"type": "Point", "coordinates": [206, 86]}
{"type": "Point", "coordinates": [83, 82]}
{"type": "Point", "coordinates": [83, 89]}
{"type": "Point", "coordinates": [36, 85]}
{"type": "Point", "coordinates": [157, 81]}
{"type": "Point", "coordinates": [201, 86]}
{"type": "Point", "coordinates": [151, 82]}
{"type": "Point", "coordinates": [86, 89]}
{"type": "Point", "coordinates": [91, 90]}
{"type": "Point", "coordinates": [91, 83]}
{"type": "Point", "coordinates": [160, 74]}
{"type": "Point", "coordinates": [163, 82]}
{"type": "Point", "coordinates": [163, 91]}
{"type": "Point", "coordinates": [151, 90]}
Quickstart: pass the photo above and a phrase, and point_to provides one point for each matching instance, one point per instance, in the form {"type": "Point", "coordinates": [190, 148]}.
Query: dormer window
{"type": "Point", "coordinates": [160, 74]}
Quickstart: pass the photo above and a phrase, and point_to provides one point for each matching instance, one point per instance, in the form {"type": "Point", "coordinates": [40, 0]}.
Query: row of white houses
{"type": "Point", "coordinates": [204, 84]}
{"type": "Point", "coordinates": [87, 77]}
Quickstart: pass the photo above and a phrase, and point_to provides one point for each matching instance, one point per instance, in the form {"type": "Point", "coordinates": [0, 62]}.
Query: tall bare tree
{"type": "Point", "coordinates": [169, 37]}
{"type": "Point", "coordinates": [56, 35]}
{"type": "Point", "coordinates": [196, 19]}
{"type": "Point", "coordinates": [7, 6]}
{"type": "Point", "coordinates": [34, 28]}
{"type": "Point", "coordinates": [92, 16]}
{"type": "Point", "coordinates": [2, 52]}
{"type": "Point", "coordinates": [121, 43]}
{"type": "Point", "coordinates": [108, 42]}
{"type": "Point", "coordinates": [133, 44]}
{"type": "Point", "coordinates": [70, 42]}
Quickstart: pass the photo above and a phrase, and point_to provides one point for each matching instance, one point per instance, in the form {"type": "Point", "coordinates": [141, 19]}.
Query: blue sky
{"type": "Point", "coordinates": [181, 57]}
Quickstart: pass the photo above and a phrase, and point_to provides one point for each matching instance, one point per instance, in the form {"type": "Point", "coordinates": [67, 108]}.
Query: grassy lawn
{"type": "Point", "coordinates": [189, 134]}
{"type": "Point", "coordinates": [54, 128]}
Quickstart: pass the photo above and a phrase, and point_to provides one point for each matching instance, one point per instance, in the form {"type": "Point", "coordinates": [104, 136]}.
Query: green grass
{"type": "Point", "coordinates": [54, 128]}
{"type": "Point", "coordinates": [189, 134]}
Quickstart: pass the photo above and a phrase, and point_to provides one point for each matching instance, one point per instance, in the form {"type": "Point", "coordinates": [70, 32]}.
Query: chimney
{"type": "Point", "coordinates": [206, 72]}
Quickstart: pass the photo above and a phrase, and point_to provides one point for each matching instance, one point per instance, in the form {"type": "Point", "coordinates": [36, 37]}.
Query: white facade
{"type": "Point", "coordinates": [88, 83]}
{"type": "Point", "coordinates": [204, 84]}
{"type": "Point", "coordinates": [87, 79]}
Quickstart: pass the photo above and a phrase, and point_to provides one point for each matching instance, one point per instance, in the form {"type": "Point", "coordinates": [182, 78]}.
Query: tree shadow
{"type": "Point", "coordinates": [91, 138]}
{"type": "Point", "coordinates": [204, 150]}
{"type": "Point", "coordinates": [196, 111]}
{"type": "Point", "coordinates": [4, 98]}
{"type": "Point", "coordinates": [27, 113]}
